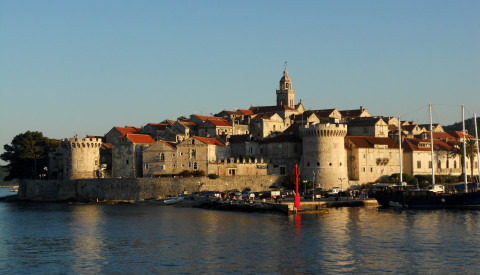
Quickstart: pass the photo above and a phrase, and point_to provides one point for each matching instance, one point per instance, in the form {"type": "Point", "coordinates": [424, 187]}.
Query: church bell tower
{"type": "Point", "coordinates": [285, 94]}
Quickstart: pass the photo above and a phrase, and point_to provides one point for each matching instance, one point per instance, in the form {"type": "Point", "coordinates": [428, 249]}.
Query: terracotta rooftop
{"type": "Point", "coordinates": [138, 138]}
{"type": "Point", "coordinates": [210, 141]}
{"type": "Point", "coordinates": [220, 123]}
{"type": "Point", "coordinates": [128, 130]}
{"type": "Point", "coordinates": [264, 116]}
{"type": "Point", "coordinates": [351, 113]}
{"type": "Point", "coordinates": [459, 134]}
{"type": "Point", "coordinates": [205, 118]}
{"type": "Point", "coordinates": [413, 144]}
{"type": "Point", "coordinates": [370, 142]}
{"type": "Point", "coordinates": [246, 112]}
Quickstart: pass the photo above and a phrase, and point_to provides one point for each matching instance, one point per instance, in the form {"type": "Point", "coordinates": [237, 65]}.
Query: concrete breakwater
{"type": "Point", "coordinates": [136, 189]}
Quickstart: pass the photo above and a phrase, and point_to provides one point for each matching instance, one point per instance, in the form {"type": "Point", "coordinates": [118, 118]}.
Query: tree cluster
{"type": "Point", "coordinates": [27, 155]}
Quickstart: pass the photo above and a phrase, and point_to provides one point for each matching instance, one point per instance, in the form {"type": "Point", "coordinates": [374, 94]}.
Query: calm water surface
{"type": "Point", "coordinates": [88, 238]}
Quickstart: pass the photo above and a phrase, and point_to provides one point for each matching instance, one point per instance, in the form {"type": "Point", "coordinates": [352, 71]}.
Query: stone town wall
{"type": "Point", "coordinates": [131, 189]}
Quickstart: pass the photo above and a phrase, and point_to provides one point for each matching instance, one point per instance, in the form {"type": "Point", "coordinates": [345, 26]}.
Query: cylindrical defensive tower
{"type": "Point", "coordinates": [82, 157]}
{"type": "Point", "coordinates": [324, 157]}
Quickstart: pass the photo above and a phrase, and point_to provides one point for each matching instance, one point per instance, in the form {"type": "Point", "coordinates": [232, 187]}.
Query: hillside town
{"type": "Point", "coordinates": [332, 147]}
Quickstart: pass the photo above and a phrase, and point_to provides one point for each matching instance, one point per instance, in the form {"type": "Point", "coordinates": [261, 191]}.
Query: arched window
{"type": "Point", "coordinates": [194, 154]}
{"type": "Point", "coordinates": [162, 156]}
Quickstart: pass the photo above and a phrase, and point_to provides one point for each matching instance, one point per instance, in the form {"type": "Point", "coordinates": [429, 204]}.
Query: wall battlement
{"type": "Point", "coordinates": [324, 130]}
{"type": "Point", "coordinates": [79, 143]}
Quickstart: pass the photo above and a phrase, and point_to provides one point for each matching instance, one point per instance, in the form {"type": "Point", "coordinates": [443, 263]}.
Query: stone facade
{"type": "Point", "coordinates": [76, 158]}
{"type": "Point", "coordinates": [324, 157]}
{"type": "Point", "coordinates": [371, 159]}
{"type": "Point", "coordinates": [285, 93]}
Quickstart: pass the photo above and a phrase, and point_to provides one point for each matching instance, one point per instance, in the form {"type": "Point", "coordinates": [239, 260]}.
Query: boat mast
{"type": "Point", "coordinates": [464, 150]}
{"type": "Point", "coordinates": [478, 155]}
{"type": "Point", "coordinates": [431, 147]}
{"type": "Point", "coordinates": [400, 149]}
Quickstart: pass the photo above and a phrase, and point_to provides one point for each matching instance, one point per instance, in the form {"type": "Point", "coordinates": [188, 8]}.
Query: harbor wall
{"type": "Point", "coordinates": [135, 189]}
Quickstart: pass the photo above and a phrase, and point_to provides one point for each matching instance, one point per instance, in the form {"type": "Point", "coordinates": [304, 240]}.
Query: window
{"type": "Point", "coordinates": [195, 165]}
{"type": "Point", "coordinates": [371, 169]}
{"type": "Point", "coordinates": [126, 161]}
{"type": "Point", "coordinates": [439, 165]}
{"type": "Point", "coordinates": [194, 154]}
{"type": "Point", "coordinates": [364, 156]}
{"type": "Point", "coordinates": [250, 150]}
{"type": "Point", "coordinates": [162, 156]}
{"type": "Point", "coordinates": [455, 164]}
{"type": "Point", "coordinates": [364, 169]}
{"type": "Point", "coordinates": [146, 165]}
{"type": "Point", "coordinates": [430, 164]}
{"type": "Point", "coordinates": [448, 166]}
{"type": "Point", "coordinates": [162, 167]}
{"type": "Point", "coordinates": [286, 85]}
{"type": "Point", "coordinates": [419, 164]}
{"type": "Point", "coordinates": [189, 165]}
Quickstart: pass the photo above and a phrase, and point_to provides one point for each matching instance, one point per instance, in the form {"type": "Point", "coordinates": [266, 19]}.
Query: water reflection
{"type": "Point", "coordinates": [59, 238]}
{"type": "Point", "coordinates": [85, 225]}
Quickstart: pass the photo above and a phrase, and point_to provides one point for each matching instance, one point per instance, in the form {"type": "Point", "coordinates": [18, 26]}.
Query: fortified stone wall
{"type": "Point", "coordinates": [82, 157]}
{"type": "Point", "coordinates": [131, 189]}
{"type": "Point", "coordinates": [324, 157]}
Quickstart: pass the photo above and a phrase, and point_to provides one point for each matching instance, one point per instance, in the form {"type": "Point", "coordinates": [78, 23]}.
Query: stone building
{"type": "Point", "coordinates": [116, 132]}
{"type": "Point", "coordinates": [127, 160]}
{"type": "Point", "coordinates": [330, 115]}
{"type": "Point", "coordinates": [155, 130]}
{"type": "Point", "coordinates": [324, 158]}
{"type": "Point", "coordinates": [348, 115]}
{"type": "Point", "coordinates": [368, 126]}
{"type": "Point", "coordinates": [285, 93]}
{"type": "Point", "coordinates": [281, 153]}
{"type": "Point", "coordinates": [160, 159]}
{"type": "Point", "coordinates": [267, 125]}
{"type": "Point", "coordinates": [371, 159]}
{"type": "Point", "coordinates": [75, 158]}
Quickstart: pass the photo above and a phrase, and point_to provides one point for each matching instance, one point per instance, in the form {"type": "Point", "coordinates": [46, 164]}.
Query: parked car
{"type": "Point", "coordinates": [247, 194]}
{"type": "Point", "coordinates": [334, 191]}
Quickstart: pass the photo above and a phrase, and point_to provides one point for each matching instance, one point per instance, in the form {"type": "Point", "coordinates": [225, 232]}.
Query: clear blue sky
{"type": "Point", "coordinates": [70, 67]}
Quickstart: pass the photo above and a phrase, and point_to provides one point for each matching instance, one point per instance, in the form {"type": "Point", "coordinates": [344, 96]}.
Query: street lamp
{"type": "Point", "coordinates": [341, 183]}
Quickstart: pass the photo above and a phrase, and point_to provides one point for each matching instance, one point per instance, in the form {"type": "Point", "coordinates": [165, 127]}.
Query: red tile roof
{"type": "Point", "coordinates": [106, 146]}
{"type": "Point", "coordinates": [412, 144]}
{"type": "Point", "coordinates": [370, 142]}
{"type": "Point", "coordinates": [246, 112]}
{"type": "Point", "coordinates": [128, 130]}
{"type": "Point", "coordinates": [210, 141]}
{"type": "Point", "coordinates": [459, 134]}
{"type": "Point", "coordinates": [220, 123]}
{"type": "Point", "coordinates": [137, 138]}
{"type": "Point", "coordinates": [205, 118]}
{"type": "Point", "coordinates": [264, 116]}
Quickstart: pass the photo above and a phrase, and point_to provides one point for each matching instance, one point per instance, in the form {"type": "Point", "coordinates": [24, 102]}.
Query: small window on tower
{"type": "Point", "coordinates": [286, 85]}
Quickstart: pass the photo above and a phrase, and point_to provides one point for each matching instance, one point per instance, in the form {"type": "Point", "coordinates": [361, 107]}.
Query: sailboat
{"type": "Point", "coordinates": [402, 195]}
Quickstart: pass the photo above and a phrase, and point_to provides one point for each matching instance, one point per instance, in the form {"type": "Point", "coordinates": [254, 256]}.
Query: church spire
{"type": "Point", "coordinates": [285, 93]}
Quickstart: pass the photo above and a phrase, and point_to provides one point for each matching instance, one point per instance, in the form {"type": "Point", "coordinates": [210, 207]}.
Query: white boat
{"type": "Point", "coordinates": [14, 189]}
{"type": "Point", "coordinates": [172, 201]}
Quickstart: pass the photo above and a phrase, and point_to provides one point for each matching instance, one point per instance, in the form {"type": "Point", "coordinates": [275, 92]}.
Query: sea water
{"type": "Point", "coordinates": [38, 238]}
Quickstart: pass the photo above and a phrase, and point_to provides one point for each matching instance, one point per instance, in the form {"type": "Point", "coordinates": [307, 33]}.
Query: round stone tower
{"type": "Point", "coordinates": [82, 158]}
{"type": "Point", "coordinates": [324, 157]}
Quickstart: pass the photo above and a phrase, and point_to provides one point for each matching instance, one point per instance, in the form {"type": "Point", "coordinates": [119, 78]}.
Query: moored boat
{"type": "Point", "coordinates": [174, 200]}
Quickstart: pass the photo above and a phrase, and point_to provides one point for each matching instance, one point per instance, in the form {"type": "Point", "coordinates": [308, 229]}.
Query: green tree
{"type": "Point", "coordinates": [27, 155]}
{"type": "Point", "coordinates": [471, 152]}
